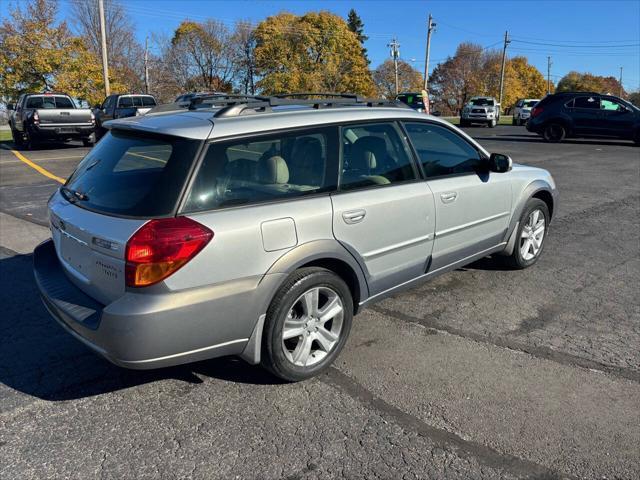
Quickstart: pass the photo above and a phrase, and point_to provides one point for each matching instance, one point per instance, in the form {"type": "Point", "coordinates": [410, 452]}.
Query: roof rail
{"type": "Point", "coordinates": [231, 105]}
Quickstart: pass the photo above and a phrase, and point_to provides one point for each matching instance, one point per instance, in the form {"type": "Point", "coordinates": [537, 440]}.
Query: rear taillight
{"type": "Point", "coordinates": [36, 118]}
{"type": "Point", "coordinates": [93, 118]}
{"type": "Point", "coordinates": [536, 111]}
{"type": "Point", "coordinates": [162, 246]}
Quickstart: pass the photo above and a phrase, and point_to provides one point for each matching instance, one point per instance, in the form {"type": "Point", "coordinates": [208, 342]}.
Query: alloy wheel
{"type": "Point", "coordinates": [313, 326]}
{"type": "Point", "coordinates": [532, 235]}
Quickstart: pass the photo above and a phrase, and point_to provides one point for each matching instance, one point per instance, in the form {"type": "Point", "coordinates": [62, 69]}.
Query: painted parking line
{"type": "Point", "coordinates": [37, 167]}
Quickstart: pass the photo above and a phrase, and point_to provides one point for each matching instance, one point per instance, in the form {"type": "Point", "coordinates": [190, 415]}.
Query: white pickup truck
{"type": "Point", "coordinates": [480, 110]}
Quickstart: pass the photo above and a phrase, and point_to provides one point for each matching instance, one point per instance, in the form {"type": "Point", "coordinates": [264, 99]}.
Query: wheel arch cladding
{"type": "Point", "coordinates": [327, 254]}
{"type": "Point", "coordinates": [546, 197]}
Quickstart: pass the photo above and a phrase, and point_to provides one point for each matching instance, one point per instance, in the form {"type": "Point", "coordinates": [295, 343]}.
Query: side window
{"type": "Point", "coordinates": [148, 102]}
{"type": "Point", "coordinates": [109, 103]}
{"type": "Point", "coordinates": [374, 154]}
{"type": "Point", "coordinates": [520, 103]}
{"type": "Point", "coordinates": [569, 104]}
{"type": "Point", "coordinates": [125, 102]}
{"type": "Point", "coordinates": [442, 151]}
{"type": "Point", "coordinates": [262, 169]}
{"type": "Point", "coordinates": [611, 105]}
{"type": "Point", "coordinates": [587, 102]}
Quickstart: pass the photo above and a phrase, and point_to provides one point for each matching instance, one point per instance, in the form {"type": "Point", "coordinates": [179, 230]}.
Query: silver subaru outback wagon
{"type": "Point", "coordinates": [259, 226]}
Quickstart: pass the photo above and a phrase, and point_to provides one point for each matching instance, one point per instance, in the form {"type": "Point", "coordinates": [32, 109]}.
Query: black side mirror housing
{"type": "Point", "coordinates": [10, 106]}
{"type": "Point", "coordinates": [500, 163]}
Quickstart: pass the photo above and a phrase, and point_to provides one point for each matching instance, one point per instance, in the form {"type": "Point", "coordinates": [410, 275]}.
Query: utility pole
{"type": "Point", "coordinates": [620, 95]}
{"type": "Point", "coordinates": [549, 75]}
{"type": "Point", "coordinates": [146, 64]}
{"type": "Point", "coordinates": [504, 58]}
{"type": "Point", "coordinates": [103, 38]}
{"type": "Point", "coordinates": [431, 26]}
{"type": "Point", "coordinates": [395, 54]}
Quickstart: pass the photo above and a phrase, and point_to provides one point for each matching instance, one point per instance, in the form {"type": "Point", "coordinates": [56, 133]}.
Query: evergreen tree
{"type": "Point", "coordinates": [354, 22]}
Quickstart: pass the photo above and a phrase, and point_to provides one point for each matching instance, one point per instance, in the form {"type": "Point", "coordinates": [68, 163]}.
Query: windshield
{"type": "Point", "coordinates": [133, 175]}
{"type": "Point", "coordinates": [482, 102]}
{"type": "Point", "coordinates": [413, 100]}
{"type": "Point", "coordinates": [530, 103]}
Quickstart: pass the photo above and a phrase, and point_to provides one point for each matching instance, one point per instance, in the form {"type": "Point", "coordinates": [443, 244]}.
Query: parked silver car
{"type": "Point", "coordinates": [480, 110]}
{"type": "Point", "coordinates": [260, 227]}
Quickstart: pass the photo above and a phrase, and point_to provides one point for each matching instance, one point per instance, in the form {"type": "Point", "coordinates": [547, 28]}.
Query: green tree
{"type": "Point", "coordinates": [409, 79]}
{"type": "Point", "coordinates": [39, 54]}
{"type": "Point", "coordinates": [587, 82]}
{"type": "Point", "coordinates": [314, 52]}
{"type": "Point", "coordinates": [355, 24]}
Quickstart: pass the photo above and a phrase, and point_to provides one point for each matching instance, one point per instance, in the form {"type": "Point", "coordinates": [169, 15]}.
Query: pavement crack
{"type": "Point", "coordinates": [443, 438]}
{"type": "Point", "coordinates": [537, 351]}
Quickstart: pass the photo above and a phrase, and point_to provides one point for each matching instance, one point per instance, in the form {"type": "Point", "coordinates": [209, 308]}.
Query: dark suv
{"type": "Point", "coordinates": [583, 114]}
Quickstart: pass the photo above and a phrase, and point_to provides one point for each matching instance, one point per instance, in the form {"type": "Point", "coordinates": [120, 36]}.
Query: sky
{"type": "Point", "coordinates": [586, 35]}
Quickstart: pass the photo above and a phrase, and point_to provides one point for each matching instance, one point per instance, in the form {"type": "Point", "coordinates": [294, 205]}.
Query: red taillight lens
{"type": "Point", "coordinates": [160, 247]}
{"type": "Point", "coordinates": [36, 117]}
{"type": "Point", "coordinates": [536, 111]}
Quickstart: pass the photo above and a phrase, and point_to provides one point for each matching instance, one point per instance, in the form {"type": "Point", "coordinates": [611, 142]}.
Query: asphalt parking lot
{"type": "Point", "coordinates": [482, 373]}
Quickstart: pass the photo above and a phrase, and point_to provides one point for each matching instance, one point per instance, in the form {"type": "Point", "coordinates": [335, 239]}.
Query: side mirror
{"type": "Point", "coordinates": [500, 163]}
{"type": "Point", "coordinates": [10, 106]}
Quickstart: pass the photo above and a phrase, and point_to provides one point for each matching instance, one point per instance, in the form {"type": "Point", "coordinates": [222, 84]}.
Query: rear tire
{"type": "Point", "coordinates": [636, 138]}
{"type": "Point", "coordinates": [307, 324]}
{"type": "Point", "coordinates": [530, 236]}
{"type": "Point", "coordinates": [514, 121]}
{"type": "Point", "coordinates": [554, 133]}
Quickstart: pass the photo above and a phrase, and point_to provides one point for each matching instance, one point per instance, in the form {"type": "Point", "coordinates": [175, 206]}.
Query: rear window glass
{"type": "Point", "coordinates": [531, 103]}
{"type": "Point", "coordinates": [131, 175]}
{"type": "Point", "coordinates": [49, 101]}
{"type": "Point", "coordinates": [264, 169]}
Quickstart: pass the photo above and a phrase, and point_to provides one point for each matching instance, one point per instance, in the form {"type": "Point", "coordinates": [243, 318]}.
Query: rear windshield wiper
{"type": "Point", "coordinates": [73, 195]}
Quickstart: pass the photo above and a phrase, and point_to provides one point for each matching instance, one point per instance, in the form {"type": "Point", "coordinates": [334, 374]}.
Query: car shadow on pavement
{"type": "Point", "coordinates": [42, 146]}
{"type": "Point", "coordinates": [38, 358]}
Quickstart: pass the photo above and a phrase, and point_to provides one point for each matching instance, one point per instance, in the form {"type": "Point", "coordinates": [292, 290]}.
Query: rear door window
{"type": "Point", "coordinates": [266, 168]}
{"type": "Point", "coordinates": [591, 102]}
{"type": "Point", "coordinates": [133, 175]}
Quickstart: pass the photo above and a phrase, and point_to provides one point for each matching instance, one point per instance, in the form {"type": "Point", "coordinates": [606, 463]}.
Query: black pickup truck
{"type": "Point", "coordinates": [121, 106]}
{"type": "Point", "coordinates": [49, 116]}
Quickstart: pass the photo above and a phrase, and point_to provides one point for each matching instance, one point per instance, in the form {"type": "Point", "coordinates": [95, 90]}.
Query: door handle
{"type": "Point", "coordinates": [353, 216]}
{"type": "Point", "coordinates": [448, 197]}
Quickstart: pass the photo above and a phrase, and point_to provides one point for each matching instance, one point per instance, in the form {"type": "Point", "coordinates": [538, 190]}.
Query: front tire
{"type": "Point", "coordinates": [531, 234]}
{"type": "Point", "coordinates": [307, 324]}
{"type": "Point", "coordinates": [554, 133]}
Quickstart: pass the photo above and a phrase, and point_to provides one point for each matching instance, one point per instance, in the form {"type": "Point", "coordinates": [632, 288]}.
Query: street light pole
{"type": "Point", "coordinates": [620, 83]}
{"type": "Point", "coordinates": [548, 75]}
{"type": "Point", "coordinates": [146, 65]}
{"type": "Point", "coordinates": [103, 38]}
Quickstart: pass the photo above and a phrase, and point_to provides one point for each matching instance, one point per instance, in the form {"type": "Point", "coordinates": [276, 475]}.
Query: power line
{"type": "Point", "coordinates": [578, 46]}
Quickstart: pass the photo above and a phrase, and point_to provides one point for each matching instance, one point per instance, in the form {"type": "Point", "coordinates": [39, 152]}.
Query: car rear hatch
{"type": "Point", "coordinates": [58, 110]}
{"type": "Point", "coordinates": [126, 180]}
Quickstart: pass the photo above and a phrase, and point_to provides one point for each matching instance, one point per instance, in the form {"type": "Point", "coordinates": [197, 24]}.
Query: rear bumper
{"type": "Point", "coordinates": [143, 330]}
{"type": "Point", "coordinates": [43, 132]}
